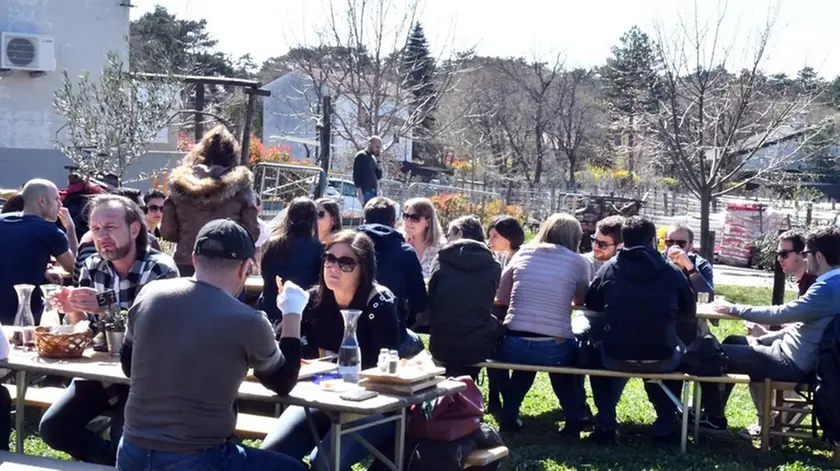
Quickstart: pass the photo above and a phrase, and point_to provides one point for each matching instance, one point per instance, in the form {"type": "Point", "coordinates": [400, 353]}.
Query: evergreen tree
{"type": "Point", "coordinates": [418, 68]}
{"type": "Point", "coordinates": [631, 80]}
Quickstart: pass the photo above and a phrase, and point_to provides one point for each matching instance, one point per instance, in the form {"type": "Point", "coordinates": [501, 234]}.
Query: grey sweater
{"type": "Point", "coordinates": [809, 315]}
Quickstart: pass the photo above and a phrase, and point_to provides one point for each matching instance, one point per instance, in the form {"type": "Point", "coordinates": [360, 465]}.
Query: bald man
{"type": "Point", "coordinates": [27, 241]}
{"type": "Point", "coordinates": [366, 171]}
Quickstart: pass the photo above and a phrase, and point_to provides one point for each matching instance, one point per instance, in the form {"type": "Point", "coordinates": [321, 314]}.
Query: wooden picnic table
{"type": "Point", "coordinates": [254, 284]}
{"type": "Point", "coordinates": [347, 417]}
{"type": "Point", "coordinates": [21, 462]}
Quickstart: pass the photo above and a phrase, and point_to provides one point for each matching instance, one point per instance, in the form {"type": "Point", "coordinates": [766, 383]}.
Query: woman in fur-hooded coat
{"type": "Point", "coordinates": [209, 184]}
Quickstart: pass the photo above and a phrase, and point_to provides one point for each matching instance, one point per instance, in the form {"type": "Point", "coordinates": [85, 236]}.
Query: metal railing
{"type": "Point", "coordinates": [277, 184]}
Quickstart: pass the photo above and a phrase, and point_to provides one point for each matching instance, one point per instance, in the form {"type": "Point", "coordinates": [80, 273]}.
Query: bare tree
{"type": "Point", "coordinates": [112, 121]}
{"type": "Point", "coordinates": [358, 62]}
{"type": "Point", "coordinates": [576, 127]}
{"type": "Point", "coordinates": [723, 130]}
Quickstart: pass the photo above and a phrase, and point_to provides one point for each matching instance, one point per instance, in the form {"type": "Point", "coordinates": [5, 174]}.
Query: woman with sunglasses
{"type": "Point", "coordinates": [153, 205]}
{"type": "Point", "coordinates": [293, 253]}
{"type": "Point", "coordinates": [347, 282]}
{"type": "Point", "coordinates": [329, 218]}
{"type": "Point", "coordinates": [422, 231]}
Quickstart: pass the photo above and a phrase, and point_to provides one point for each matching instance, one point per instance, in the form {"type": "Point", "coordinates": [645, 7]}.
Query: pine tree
{"type": "Point", "coordinates": [631, 84]}
{"type": "Point", "coordinates": [418, 68]}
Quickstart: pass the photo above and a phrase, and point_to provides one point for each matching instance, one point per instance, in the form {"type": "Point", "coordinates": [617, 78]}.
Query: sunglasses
{"type": "Point", "coordinates": [412, 217]}
{"type": "Point", "coordinates": [784, 253]}
{"type": "Point", "coordinates": [345, 264]}
{"type": "Point", "coordinates": [600, 243]}
{"type": "Point", "coordinates": [153, 208]}
{"type": "Point", "coordinates": [679, 243]}
{"type": "Point", "coordinates": [805, 253]}
{"type": "Point", "coordinates": [321, 214]}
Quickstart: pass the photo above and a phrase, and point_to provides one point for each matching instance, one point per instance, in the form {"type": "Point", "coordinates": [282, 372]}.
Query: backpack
{"type": "Point", "coordinates": [827, 385]}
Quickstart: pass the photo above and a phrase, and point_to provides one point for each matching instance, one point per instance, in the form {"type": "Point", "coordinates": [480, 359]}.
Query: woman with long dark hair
{"type": "Point", "coordinates": [293, 253]}
{"type": "Point", "coordinates": [347, 282]}
{"type": "Point", "coordinates": [329, 218]}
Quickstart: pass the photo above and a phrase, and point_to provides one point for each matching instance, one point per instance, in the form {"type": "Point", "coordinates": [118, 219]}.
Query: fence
{"type": "Point", "coordinates": [277, 184]}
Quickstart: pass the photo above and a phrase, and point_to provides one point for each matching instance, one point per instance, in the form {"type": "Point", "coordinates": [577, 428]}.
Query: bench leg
{"type": "Point", "coordinates": [766, 404]}
{"type": "Point", "coordinates": [20, 405]}
{"type": "Point", "coordinates": [684, 429]}
{"type": "Point", "coordinates": [399, 445]}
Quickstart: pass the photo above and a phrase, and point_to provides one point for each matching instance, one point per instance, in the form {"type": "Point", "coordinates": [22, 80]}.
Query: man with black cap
{"type": "Point", "coordinates": [188, 346]}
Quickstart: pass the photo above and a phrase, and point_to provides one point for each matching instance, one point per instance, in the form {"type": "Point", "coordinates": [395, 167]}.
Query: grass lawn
{"type": "Point", "coordinates": [537, 447]}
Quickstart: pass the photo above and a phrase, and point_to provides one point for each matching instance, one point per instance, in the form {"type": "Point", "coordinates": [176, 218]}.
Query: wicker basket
{"type": "Point", "coordinates": [61, 345]}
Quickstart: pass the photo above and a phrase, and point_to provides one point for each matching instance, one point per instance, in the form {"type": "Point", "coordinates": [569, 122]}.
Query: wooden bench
{"type": "Point", "coordinates": [21, 462]}
{"type": "Point", "coordinates": [247, 425]}
{"type": "Point", "coordinates": [658, 378]}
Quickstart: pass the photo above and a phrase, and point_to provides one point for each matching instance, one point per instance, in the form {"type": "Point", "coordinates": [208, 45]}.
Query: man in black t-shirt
{"type": "Point", "coordinates": [29, 238]}
{"type": "Point", "coordinates": [366, 171]}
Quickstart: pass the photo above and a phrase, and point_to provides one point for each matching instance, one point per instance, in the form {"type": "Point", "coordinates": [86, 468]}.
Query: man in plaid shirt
{"type": "Point", "coordinates": [124, 263]}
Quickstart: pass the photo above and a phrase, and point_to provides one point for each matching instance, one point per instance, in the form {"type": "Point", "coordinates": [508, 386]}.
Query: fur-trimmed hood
{"type": "Point", "coordinates": [205, 185]}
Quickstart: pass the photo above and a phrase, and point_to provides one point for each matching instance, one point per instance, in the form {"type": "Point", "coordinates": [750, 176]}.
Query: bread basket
{"type": "Point", "coordinates": [55, 345]}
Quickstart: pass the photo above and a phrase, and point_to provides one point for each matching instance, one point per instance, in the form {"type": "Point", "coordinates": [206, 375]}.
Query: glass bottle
{"type": "Point", "coordinates": [349, 354]}
{"type": "Point", "coordinates": [50, 317]}
{"type": "Point", "coordinates": [24, 320]}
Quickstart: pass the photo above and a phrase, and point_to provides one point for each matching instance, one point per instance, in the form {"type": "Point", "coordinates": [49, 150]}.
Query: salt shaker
{"type": "Point", "coordinates": [383, 360]}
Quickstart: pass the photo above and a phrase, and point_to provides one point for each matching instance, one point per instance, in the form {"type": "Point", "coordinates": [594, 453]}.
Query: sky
{"type": "Point", "coordinates": [582, 31]}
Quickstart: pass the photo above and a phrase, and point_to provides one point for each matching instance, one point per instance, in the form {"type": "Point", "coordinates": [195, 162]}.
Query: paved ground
{"type": "Point", "coordinates": [742, 277]}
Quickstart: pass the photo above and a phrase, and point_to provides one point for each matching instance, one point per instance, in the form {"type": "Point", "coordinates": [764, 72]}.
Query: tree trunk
{"type": "Point", "coordinates": [631, 158]}
{"type": "Point", "coordinates": [707, 249]}
{"type": "Point", "coordinates": [572, 181]}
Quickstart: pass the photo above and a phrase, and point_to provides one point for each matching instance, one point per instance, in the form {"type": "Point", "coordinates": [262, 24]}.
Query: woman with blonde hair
{"type": "Point", "coordinates": [209, 184]}
{"type": "Point", "coordinates": [423, 232]}
{"type": "Point", "coordinates": [539, 285]}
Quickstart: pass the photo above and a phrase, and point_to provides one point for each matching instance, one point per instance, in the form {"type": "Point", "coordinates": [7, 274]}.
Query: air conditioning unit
{"type": "Point", "coordinates": [32, 52]}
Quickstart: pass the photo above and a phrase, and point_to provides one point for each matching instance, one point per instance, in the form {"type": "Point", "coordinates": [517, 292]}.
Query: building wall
{"type": "Point", "coordinates": [291, 111]}
{"type": "Point", "coordinates": [84, 31]}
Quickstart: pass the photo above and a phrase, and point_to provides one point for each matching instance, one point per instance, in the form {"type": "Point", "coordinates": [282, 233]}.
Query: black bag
{"type": "Point", "coordinates": [827, 389]}
{"type": "Point", "coordinates": [439, 455]}
{"type": "Point", "coordinates": [704, 357]}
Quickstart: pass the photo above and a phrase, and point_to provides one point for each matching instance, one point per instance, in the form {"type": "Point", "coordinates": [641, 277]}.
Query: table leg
{"type": "Point", "coordinates": [311, 422]}
{"type": "Point", "coordinates": [399, 445]}
{"type": "Point", "coordinates": [20, 406]}
{"type": "Point", "coordinates": [698, 408]}
{"type": "Point", "coordinates": [335, 446]}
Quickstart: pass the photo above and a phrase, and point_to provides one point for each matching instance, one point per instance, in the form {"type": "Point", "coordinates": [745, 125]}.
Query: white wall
{"type": "Point", "coordinates": [84, 31]}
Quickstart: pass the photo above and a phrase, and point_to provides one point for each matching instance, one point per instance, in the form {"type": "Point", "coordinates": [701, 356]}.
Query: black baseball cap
{"type": "Point", "coordinates": [224, 238]}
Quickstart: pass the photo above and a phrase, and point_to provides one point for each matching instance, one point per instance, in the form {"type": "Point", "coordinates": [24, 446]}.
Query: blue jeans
{"type": "Point", "coordinates": [368, 194]}
{"type": "Point", "coordinates": [64, 426]}
{"type": "Point", "coordinates": [412, 345]}
{"type": "Point", "coordinates": [292, 437]}
{"type": "Point", "coordinates": [227, 456]}
{"type": "Point", "coordinates": [549, 352]}
{"type": "Point", "coordinates": [607, 391]}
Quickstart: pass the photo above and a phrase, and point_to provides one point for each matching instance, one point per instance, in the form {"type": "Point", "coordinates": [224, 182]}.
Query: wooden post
{"type": "Point", "coordinates": [198, 124]}
{"type": "Point", "coordinates": [325, 141]}
{"type": "Point", "coordinates": [809, 213]}
{"type": "Point", "coordinates": [246, 131]}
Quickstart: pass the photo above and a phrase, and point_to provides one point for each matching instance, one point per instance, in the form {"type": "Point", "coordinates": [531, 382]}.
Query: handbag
{"type": "Point", "coordinates": [448, 418]}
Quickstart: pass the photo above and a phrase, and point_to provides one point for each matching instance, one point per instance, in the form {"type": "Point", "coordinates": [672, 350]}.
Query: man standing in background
{"type": "Point", "coordinates": [366, 171]}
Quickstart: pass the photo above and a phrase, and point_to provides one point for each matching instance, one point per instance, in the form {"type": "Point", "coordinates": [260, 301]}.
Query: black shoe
{"type": "Point", "coordinates": [603, 437]}
{"type": "Point", "coordinates": [587, 422]}
{"type": "Point", "coordinates": [571, 431]}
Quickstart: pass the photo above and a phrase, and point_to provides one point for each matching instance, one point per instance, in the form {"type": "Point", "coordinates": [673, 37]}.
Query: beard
{"type": "Point", "coordinates": [116, 254]}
